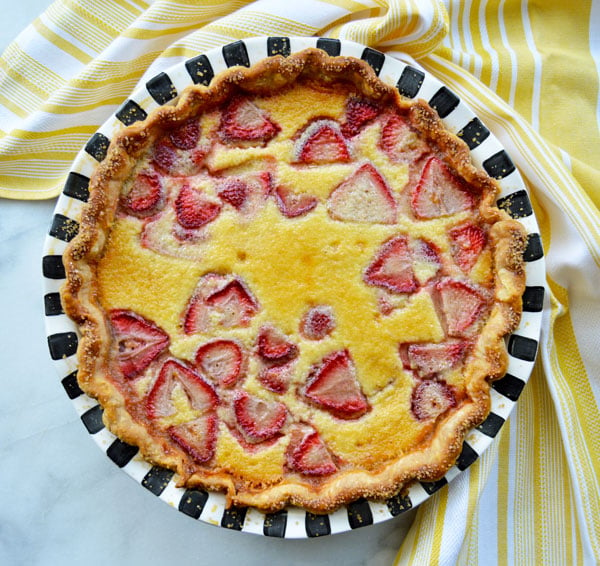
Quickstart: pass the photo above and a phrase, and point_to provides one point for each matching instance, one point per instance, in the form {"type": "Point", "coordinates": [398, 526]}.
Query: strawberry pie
{"type": "Point", "coordinates": [293, 286]}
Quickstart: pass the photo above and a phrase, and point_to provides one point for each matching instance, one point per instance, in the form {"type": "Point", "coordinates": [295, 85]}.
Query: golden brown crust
{"type": "Point", "coordinates": [82, 304]}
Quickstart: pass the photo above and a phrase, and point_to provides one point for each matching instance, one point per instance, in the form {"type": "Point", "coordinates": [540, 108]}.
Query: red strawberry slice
{"type": "Point", "coordinates": [164, 156]}
{"type": "Point", "coordinates": [430, 399]}
{"type": "Point", "coordinates": [462, 305]}
{"type": "Point", "coordinates": [308, 454]}
{"type": "Point", "coordinates": [198, 437]}
{"type": "Point", "coordinates": [273, 345]}
{"type": "Point", "coordinates": [317, 323]}
{"type": "Point", "coordinates": [363, 197]}
{"type": "Point", "coordinates": [293, 204]}
{"type": "Point", "coordinates": [321, 142]}
{"type": "Point", "coordinates": [393, 267]}
{"type": "Point", "coordinates": [257, 419]}
{"type": "Point", "coordinates": [429, 359]}
{"type": "Point", "coordinates": [400, 142]}
{"type": "Point", "coordinates": [332, 385]}
{"type": "Point", "coordinates": [139, 341]}
{"type": "Point", "coordinates": [220, 360]}
{"type": "Point", "coordinates": [200, 393]}
{"type": "Point", "coordinates": [439, 192]}
{"type": "Point", "coordinates": [359, 113]}
{"type": "Point", "coordinates": [276, 377]}
{"type": "Point", "coordinates": [146, 195]}
{"type": "Point", "coordinates": [233, 191]}
{"type": "Point", "coordinates": [193, 209]}
{"type": "Point", "coordinates": [186, 136]}
{"type": "Point", "coordinates": [233, 304]}
{"type": "Point", "coordinates": [243, 121]}
{"type": "Point", "coordinates": [467, 242]}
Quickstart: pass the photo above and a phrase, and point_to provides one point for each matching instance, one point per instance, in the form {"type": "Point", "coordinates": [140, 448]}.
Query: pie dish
{"type": "Point", "coordinates": [521, 345]}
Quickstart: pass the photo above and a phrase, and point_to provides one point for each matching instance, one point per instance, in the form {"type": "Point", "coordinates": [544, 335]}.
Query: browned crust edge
{"type": "Point", "coordinates": [80, 300]}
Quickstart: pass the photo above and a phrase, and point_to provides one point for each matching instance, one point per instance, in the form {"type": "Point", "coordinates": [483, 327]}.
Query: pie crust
{"type": "Point", "coordinates": [321, 281]}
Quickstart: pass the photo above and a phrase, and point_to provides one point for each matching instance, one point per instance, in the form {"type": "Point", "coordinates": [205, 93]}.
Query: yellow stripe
{"type": "Point", "coordinates": [503, 492]}
{"type": "Point", "coordinates": [61, 43]}
{"type": "Point", "coordinates": [14, 108]}
{"type": "Point", "coordinates": [440, 518]}
{"type": "Point", "coordinates": [22, 66]}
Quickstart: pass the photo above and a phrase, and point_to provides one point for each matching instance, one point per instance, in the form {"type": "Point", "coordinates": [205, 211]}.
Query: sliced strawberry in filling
{"type": "Point", "coordinates": [428, 359]}
{"type": "Point", "coordinates": [393, 267]}
{"type": "Point", "coordinates": [363, 197]}
{"type": "Point", "coordinates": [276, 377]}
{"type": "Point", "coordinates": [139, 341]}
{"type": "Point", "coordinates": [194, 209]}
{"type": "Point", "coordinates": [243, 121]}
{"type": "Point", "coordinates": [293, 204]}
{"type": "Point", "coordinates": [400, 142]}
{"type": "Point", "coordinates": [221, 361]}
{"type": "Point", "coordinates": [164, 156]}
{"type": "Point", "coordinates": [332, 385]}
{"type": "Point", "coordinates": [201, 394]}
{"type": "Point", "coordinates": [258, 419]}
{"type": "Point", "coordinates": [274, 345]}
{"type": "Point", "coordinates": [467, 243]}
{"type": "Point", "coordinates": [439, 192]}
{"type": "Point", "coordinates": [233, 304]}
{"type": "Point", "coordinates": [317, 323]}
{"type": "Point", "coordinates": [321, 142]}
{"type": "Point", "coordinates": [462, 305]}
{"type": "Point", "coordinates": [431, 398]}
{"type": "Point", "coordinates": [146, 195]}
{"type": "Point", "coordinates": [233, 191]}
{"type": "Point", "coordinates": [359, 113]}
{"type": "Point", "coordinates": [308, 454]}
{"type": "Point", "coordinates": [186, 136]}
{"type": "Point", "coordinates": [198, 437]}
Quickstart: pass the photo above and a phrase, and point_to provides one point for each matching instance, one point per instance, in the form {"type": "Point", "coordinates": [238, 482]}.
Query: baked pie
{"type": "Point", "coordinates": [293, 286]}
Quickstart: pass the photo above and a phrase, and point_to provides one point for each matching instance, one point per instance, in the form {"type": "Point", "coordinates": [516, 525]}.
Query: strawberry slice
{"type": "Point", "coordinates": [439, 192]}
{"type": "Point", "coordinates": [200, 393]}
{"type": "Point", "coordinates": [273, 345]}
{"type": "Point", "coordinates": [462, 305]}
{"type": "Point", "coordinates": [139, 341]}
{"type": "Point", "coordinates": [233, 304]}
{"type": "Point", "coordinates": [193, 209]}
{"type": "Point", "coordinates": [233, 191]}
{"type": "Point", "coordinates": [317, 323]}
{"type": "Point", "coordinates": [198, 437]}
{"type": "Point", "coordinates": [430, 399]}
{"type": "Point", "coordinates": [393, 267]}
{"type": "Point", "coordinates": [164, 156]}
{"type": "Point", "coordinates": [467, 242]}
{"type": "Point", "coordinates": [321, 142]}
{"type": "Point", "coordinates": [308, 454]}
{"type": "Point", "coordinates": [293, 204]}
{"type": "Point", "coordinates": [332, 385]}
{"type": "Point", "coordinates": [257, 419]}
{"type": "Point", "coordinates": [186, 136]}
{"type": "Point", "coordinates": [359, 113]}
{"type": "Point", "coordinates": [400, 142]}
{"type": "Point", "coordinates": [220, 360]}
{"type": "Point", "coordinates": [146, 195]}
{"type": "Point", "coordinates": [243, 121]}
{"type": "Point", "coordinates": [363, 197]}
{"type": "Point", "coordinates": [276, 377]}
{"type": "Point", "coordinates": [429, 359]}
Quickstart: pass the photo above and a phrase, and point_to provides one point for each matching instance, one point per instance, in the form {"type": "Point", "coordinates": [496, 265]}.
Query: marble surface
{"type": "Point", "coordinates": [62, 500]}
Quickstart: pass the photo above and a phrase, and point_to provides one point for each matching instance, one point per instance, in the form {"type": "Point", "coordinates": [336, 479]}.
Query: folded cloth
{"type": "Point", "coordinates": [530, 72]}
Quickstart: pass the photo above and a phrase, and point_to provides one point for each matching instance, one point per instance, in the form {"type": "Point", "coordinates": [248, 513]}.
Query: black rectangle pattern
{"type": "Point", "coordinates": [52, 304]}
{"type": "Point", "coordinates": [157, 479]}
{"type": "Point", "coordinates": [432, 486]}
{"type": "Point", "coordinates": [121, 453]}
{"type": "Point", "coordinates": [533, 250]}
{"type": "Point", "coordinates": [71, 385]}
{"type": "Point", "coordinates": [499, 165]}
{"type": "Point", "coordinates": [52, 267]}
{"type": "Point", "coordinates": [399, 504]}
{"type": "Point", "coordinates": [97, 146]}
{"type": "Point", "coordinates": [161, 88]}
{"type": "Point", "coordinates": [474, 133]}
{"type": "Point", "coordinates": [374, 58]}
{"type": "Point", "coordinates": [522, 348]}
{"type": "Point", "coordinates": [64, 228]}
{"type": "Point", "coordinates": [192, 503]}
{"type": "Point", "coordinates": [444, 101]}
{"type": "Point", "coordinates": [332, 47]}
{"type": "Point", "coordinates": [77, 186]}
{"type": "Point", "coordinates": [275, 524]}
{"type": "Point", "coordinates": [317, 525]}
{"type": "Point", "coordinates": [92, 419]}
{"type": "Point", "coordinates": [359, 514]}
{"type": "Point", "coordinates": [410, 82]}
{"type": "Point", "coordinates": [467, 457]}
{"type": "Point", "coordinates": [533, 299]}
{"type": "Point", "coordinates": [516, 205]}
{"type": "Point", "coordinates": [509, 386]}
{"type": "Point", "coordinates": [278, 46]}
{"type": "Point", "coordinates": [62, 345]}
{"type": "Point", "coordinates": [131, 112]}
{"type": "Point", "coordinates": [200, 70]}
{"type": "Point", "coordinates": [491, 425]}
{"type": "Point", "coordinates": [236, 54]}
{"type": "Point", "coordinates": [234, 517]}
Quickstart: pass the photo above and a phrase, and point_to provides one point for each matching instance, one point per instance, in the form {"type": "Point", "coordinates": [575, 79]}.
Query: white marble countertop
{"type": "Point", "coordinates": [62, 500]}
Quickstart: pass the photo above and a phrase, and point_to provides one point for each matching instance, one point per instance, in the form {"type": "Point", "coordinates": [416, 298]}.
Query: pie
{"type": "Point", "coordinates": [293, 286]}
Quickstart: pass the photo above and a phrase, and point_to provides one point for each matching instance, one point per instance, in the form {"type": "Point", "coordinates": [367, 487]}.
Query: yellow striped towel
{"type": "Point", "coordinates": [530, 71]}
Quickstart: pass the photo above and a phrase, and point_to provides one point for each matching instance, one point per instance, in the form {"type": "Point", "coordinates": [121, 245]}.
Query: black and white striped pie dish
{"type": "Point", "coordinates": [62, 333]}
